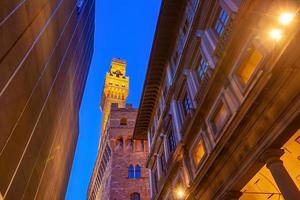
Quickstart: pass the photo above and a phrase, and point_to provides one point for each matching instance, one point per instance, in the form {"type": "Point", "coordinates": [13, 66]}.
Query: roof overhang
{"type": "Point", "coordinates": [162, 47]}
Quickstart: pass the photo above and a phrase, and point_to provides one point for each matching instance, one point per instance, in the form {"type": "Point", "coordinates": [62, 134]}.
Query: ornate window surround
{"type": "Point", "coordinates": [244, 89]}
{"type": "Point", "coordinates": [199, 136]}
{"type": "Point", "coordinates": [216, 134]}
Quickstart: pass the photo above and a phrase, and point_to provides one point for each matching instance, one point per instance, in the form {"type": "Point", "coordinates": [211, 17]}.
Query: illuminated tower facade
{"type": "Point", "coordinates": [119, 172]}
{"type": "Point", "coordinates": [115, 89]}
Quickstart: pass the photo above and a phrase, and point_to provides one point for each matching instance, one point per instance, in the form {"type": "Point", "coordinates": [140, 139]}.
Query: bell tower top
{"type": "Point", "coordinates": [115, 89]}
{"type": "Point", "coordinates": [118, 66]}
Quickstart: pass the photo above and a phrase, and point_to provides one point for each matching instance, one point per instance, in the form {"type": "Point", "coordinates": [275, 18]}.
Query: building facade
{"type": "Point", "coordinates": [221, 101]}
{"type": "Point", "coordinates": [46, 49]}
{"type": "Point", "coordinates": [119, 172]}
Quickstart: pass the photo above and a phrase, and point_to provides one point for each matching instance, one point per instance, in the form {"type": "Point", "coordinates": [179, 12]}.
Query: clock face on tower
{"type": "Point", "coordinates": [118, 73]}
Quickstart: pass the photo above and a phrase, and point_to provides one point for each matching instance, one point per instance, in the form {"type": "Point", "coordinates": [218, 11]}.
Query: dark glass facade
{"type": "Point", "coordinates": [46, 50]}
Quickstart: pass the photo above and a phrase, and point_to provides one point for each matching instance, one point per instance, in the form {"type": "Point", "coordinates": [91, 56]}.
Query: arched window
{"type": "Point", "coordinates": [131, 171]}
{"type": "Point", "coordinates": [135, 196]}
{"type": "Point", "coordinates": [123, 121]}
{"type": "Point", "coordinates": [137, 171]}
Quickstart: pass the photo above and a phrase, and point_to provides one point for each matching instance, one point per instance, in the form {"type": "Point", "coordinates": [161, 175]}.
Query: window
{"type": "Point", "coordinates": [171, 140]}
{"type": "Point", "coordinates": [131, 171]}
{"type": "Point", "coordinates": [137, 171]}
{"type": "Point", "coordinates": [221, 21]}
{"type": "Point", "coordinates": [202, 68]}
{"type": "Point", "coordinates": [123, 121]}
{"type": "Point", "coordinates": [187, 104]}
{"type": "Point", "coordinates": [249, 64]}
{"type": "Point", "coordinates": [135, 196]}
{"type": "Point", "coordinates": [134, 172]}
{"type": "Point", "coordinates": [220, 116]}
{"type": "Point", "coordinates": [198, 152]}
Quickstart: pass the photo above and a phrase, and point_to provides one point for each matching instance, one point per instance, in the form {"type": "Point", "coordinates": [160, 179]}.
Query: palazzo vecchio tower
{"type": "Point", "coordinates": [119, 172]}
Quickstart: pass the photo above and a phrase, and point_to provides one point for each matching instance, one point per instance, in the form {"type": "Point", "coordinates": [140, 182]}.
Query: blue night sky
{"type": "Point", "coordinates": [124, 29]}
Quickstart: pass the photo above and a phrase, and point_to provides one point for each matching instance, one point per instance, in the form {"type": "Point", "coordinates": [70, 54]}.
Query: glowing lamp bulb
{"type": "Point", "coordinates": [180, 193]}
{"type": "Point", "coordinates": [276, 34]}
{"type": "Point", "coordinates": [286, 18]}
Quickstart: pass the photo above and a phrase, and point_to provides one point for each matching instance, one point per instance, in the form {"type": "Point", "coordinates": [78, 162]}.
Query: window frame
{"type": "Point", "coordinates": [182, 96]}
{"type": "Point", "coordinates": [216, 133]}
{"type": "Point", "coordinates": [200, 68]}
{"type": "Point", "coordinates": [197, 167]}
{"type": "Point", "coordinates": [138, 169]}
{"type": "Point", "coordinates": [131, 171]}
{"type": "Point", "coordinates": [219, 21]}
{"type": "Point", "coordinates": [245, 88]}
{"type": "Point", "coordinates": [187, 103]}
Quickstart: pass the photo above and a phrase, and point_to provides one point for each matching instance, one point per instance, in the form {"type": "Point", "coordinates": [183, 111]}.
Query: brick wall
{"type": "Point", "coordinates": [115, 183]}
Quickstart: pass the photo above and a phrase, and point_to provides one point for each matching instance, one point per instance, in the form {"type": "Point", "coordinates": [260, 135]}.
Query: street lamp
{"type": "Point", "coordinates": [179, 193]}
{"type": "Point", "coordinates": [276, 34]}
{"type": "Point", "coordinates": [286, 18]}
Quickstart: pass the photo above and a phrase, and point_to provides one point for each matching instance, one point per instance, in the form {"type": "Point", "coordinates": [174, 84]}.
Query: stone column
{"type": "Point", "coordinates": [281, 176]}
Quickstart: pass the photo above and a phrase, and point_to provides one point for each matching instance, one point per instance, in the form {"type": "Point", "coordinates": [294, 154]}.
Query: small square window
{"type": "Point", "coordinates": [249, 65]}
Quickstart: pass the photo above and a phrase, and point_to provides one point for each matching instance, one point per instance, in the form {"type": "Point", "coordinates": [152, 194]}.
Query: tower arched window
{"type": "Point", "coordinates": [130, 171]}
{"type": "Point", "coordinates": [123, 121]}
{"type": "Point", "coordinates": [137, 171]}
{"type": "Point", "coordinates": [135, 196]}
